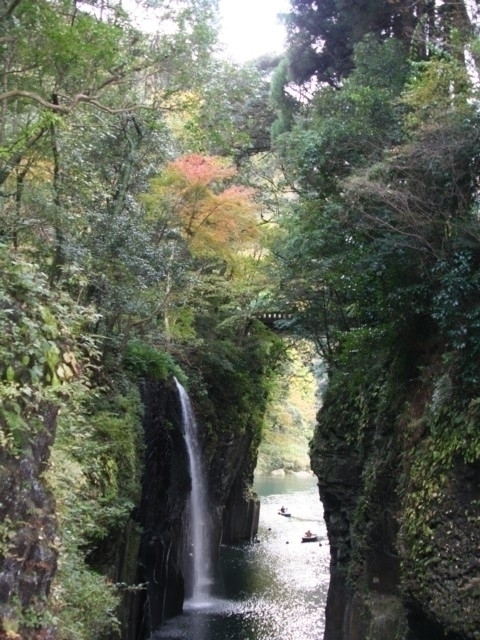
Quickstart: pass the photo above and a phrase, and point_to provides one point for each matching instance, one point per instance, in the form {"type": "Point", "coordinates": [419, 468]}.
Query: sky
{"type": "Point", "coordinates": [250, 27]}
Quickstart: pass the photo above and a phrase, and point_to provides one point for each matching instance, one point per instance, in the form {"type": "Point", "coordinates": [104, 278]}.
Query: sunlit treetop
{"type": "Point", "coordinates": [202, 170]}
{"type": "Point", "coordinates": [195, 194]}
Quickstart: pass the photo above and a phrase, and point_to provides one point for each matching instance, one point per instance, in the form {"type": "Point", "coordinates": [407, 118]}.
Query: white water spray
{"type": "Point", "coordinates": [197, 503]}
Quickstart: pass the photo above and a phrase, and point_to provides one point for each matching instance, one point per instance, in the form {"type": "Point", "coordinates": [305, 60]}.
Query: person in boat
{"type": "Point", "coordinates": [282, 509]}
{"type": "Point", "coordinates": [308, 534]}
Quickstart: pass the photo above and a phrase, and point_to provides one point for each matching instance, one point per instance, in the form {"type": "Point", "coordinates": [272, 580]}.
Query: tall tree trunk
{"type": "Point", "coordinates": [59, 256]}
{"type": "Point", "coordinates": [134, 139]}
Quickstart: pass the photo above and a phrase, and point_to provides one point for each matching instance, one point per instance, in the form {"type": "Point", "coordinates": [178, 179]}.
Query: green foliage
{"type": "Point", "coordinates": [377, 209]}
{"type": "Point", "coordinates": [239, 374]}
{"type": "Point", "coordinates": [322, 37]}
{"type": "Point", "coordinates": [290, 417]}
{"type": "Point", "coordinates": [41, 345]}
{"type": "Point", "coordinates": [231, 116]}
{"type": "Point", "coordinates": [434, 86]}
{"type": "Point", "coordinates": [456, 310]}
{"type": "Point", "coordinates": [344, 129]}
{"type": "Point", "coordinates": [84, 603]}
{"type": "Point", "coordinates": [142, 359]}
{"type": "Point", "coordinates": [95, 476]}
{"type": "Point", "coordinates": [284, 103]}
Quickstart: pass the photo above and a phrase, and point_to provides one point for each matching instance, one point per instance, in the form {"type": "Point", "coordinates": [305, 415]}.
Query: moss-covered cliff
{"type": "Point", "coordinates": [94, 476]}
{"type": "Point", "coordinates": [229, 390]}
{"type": "Point", "coordinates": [397, 451]}
{"type": "Point", "coordinates": [28, 552]}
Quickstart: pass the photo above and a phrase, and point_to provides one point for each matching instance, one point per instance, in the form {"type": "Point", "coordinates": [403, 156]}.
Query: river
{"type": "Point", "coordinates": [272, 589]}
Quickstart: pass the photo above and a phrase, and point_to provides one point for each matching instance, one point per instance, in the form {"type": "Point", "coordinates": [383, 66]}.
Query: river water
{"type": "Point", "coordinates": [272, 589]}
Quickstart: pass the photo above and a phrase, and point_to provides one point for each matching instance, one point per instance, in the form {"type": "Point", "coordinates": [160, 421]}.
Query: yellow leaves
{"type": "Point", "coordinates": [214, 217]}
{"type": "Point", "coordinates": [64, 371]}
{"type": "Point", "coordinates": [438, 86]}
{"type": "Point", "coordinates": [70, 360]}
{"type": "Point", "coordinates": [10, 628]}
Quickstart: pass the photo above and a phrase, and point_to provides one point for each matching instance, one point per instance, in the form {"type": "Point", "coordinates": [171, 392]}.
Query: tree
{"type": "Point", "coordinates": [58, 58]}
{"type": "Point", "coordinates": [215, 219]}
{"type": "Point", "coordinates": [208, 224]}
{"type": "Point", "coordinates": [338, 272]}
{"type": "Point", "coordinates": [72, 64]}
{"type": "Point", "coordinates": [230, 115]}
{"type": "Point", "coordinates": [322, 35]}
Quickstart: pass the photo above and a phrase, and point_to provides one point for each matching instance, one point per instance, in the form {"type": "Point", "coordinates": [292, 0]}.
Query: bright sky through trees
{"type": "Point", "coordinates": [250, 28]}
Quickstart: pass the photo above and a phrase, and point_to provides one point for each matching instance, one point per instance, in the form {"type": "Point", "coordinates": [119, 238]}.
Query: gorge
{"type": "Point", "coordinates": [173, 221]}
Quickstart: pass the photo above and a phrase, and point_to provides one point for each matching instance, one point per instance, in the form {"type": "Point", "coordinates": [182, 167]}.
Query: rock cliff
{"type": "Point", "coordinates": [28, 529]}
{"type": "Point", "coordinates": [399, 479]}
{"type": "Point", "coordinates": [165, 488]}
{"type": "Point", "coordinates": [163, 546]}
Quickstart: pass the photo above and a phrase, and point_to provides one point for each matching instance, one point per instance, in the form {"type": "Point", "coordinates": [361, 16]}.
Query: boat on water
{"type": "Point", "coordinates": [309, 537]}
{"type": "Point", "coordinates": [284, 512]}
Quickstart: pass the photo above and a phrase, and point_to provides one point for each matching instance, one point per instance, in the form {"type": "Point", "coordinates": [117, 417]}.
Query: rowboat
{"type": "Point", "coordinates": [311, 538]}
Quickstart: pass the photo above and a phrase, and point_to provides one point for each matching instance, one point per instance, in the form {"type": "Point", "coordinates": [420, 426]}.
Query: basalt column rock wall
{"type": "Point", "coordinates": [400, 487]}
{"type": "Point", "coordinates": [28, 556]}
{"type": "Point", "coordinates": [240, 510]}
{"type": "Point", "coordinates": [357, 489]}
{"type": "Point", "coordinates": [230, 457]}
{"type": "Point", "coordinates": [165, 488]}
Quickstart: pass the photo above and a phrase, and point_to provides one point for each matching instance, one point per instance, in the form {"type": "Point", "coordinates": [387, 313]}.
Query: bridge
{"type": "Point", "coordinates": [271, 318]}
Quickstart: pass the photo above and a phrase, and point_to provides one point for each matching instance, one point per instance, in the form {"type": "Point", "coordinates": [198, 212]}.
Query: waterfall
{"type": "Point", "coordinates": [198, 505]}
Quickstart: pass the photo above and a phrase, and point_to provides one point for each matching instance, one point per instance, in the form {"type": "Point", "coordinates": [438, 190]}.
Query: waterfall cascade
{"type": "Point", "coordinates": [198, 505]}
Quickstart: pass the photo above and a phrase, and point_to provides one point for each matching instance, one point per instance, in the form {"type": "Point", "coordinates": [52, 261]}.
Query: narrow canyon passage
{"type": "Point", "coordinates": [272, 589]}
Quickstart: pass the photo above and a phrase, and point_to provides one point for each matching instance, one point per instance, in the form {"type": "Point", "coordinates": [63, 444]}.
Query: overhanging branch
{"type": "Point", "coordinates": [80, 98]}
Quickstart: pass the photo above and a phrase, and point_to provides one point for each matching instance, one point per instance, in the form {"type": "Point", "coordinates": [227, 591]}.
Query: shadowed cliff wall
{"type": "Point", "coordinates": [165, 488]}
{"type": "Point", "coordinates": [160, 516]}
{"type": "Point", "coordinates": [399, 477]}
{"type": "Point", "coordinates": [28, 528]}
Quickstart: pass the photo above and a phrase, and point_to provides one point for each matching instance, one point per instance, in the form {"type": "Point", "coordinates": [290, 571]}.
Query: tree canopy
{"type": "Point", "coordinates": [129, 247]}
{"type": "Point", "coordinates": [151, 206]}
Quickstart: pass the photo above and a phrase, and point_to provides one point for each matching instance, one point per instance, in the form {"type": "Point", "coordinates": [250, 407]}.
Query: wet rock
{"type": "Point", "coordinates": [28, 528]}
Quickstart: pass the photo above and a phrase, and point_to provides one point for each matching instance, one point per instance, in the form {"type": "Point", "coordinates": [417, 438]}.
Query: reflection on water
{"type": "Point", "coordinates": [273, 589]}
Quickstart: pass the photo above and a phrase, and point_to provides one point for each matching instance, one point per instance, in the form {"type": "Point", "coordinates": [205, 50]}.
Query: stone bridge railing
{"type": "Point", "coordinates": [270, 318]}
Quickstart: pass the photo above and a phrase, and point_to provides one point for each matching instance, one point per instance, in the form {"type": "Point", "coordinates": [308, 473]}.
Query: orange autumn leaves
{"type": "Point", "coordinates": [195, 195]}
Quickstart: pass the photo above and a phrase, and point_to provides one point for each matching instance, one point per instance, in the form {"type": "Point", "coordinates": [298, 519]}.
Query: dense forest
{"type": "Point", "coordinates": [156, 199]}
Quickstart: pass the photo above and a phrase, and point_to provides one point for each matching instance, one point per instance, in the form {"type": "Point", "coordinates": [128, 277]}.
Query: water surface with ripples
{"type": "Point", "coordinates": [273, 589]}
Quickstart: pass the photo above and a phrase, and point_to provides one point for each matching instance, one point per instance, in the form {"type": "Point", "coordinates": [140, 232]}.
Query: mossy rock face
{"type": "Point", "coordinates": [28, 554]}
{"type": "Point", "coordinates": [424, 571]}
{"type": "Point", "coordinates": [165, 489]}
{"type": "Point", "coordinates": [399, 476]}
{"type": "Point", "coordinates": [362, 613]}
{"type": "Point", "coordinates": [441, 567]}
